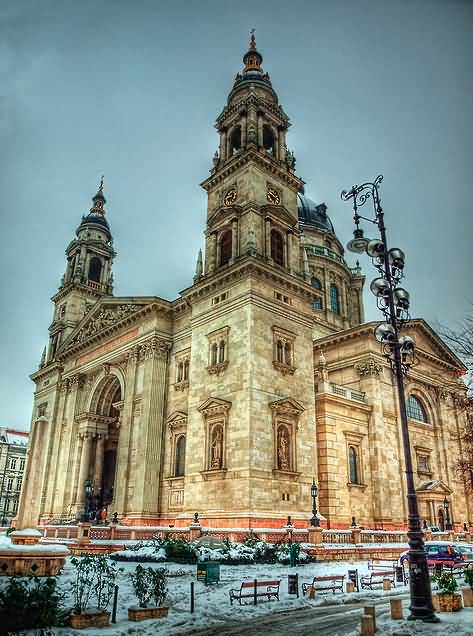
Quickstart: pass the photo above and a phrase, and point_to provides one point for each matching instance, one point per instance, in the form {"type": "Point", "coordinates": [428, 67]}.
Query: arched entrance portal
{"type": "Point", "coordinates": [104, 418]}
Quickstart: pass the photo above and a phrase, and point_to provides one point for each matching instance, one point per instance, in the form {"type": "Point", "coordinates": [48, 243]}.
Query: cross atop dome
{"type": "Point", "coordinates": [252, 58]}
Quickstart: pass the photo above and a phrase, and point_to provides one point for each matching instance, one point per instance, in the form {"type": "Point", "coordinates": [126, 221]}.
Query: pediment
{"type": "Point", "coordinates": [434, 486]}
{"type": "Point", "coordinates": [429, 342]}
{"type": "Point", "coordinates": [224, 214]}
{"type": "Point", "coordinates": [103, 315]}
{"type": "Point", "coordinates": [177, 420]}
{"type": "Point", "coordinates": [280, 214]}
{"type": "Point", "coordinates": [214, 406]}
{"type": "Point", "coordinates": [287, 405]}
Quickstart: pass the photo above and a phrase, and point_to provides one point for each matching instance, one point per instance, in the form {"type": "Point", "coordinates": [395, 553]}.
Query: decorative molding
{"type": "Point", "coordinates": [214, 406]}
{"type": "Point", "coordinates": [369, 367]}
{"type": "Point", "coordinates": [285, 369]}
{"type": "Point", "coordinates": [155, 348]}
{"type": "Point", "coordinates": [214, 473]}
{"type": "Point", "coordinates": [107, 317]}
{"type": "Point", "coordinates": [216, 369]}
{"type": "Point", "coordinates": [181, 386]}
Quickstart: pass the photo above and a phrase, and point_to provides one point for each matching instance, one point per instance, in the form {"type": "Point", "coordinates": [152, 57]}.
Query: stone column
{"type": "Point", "coordinates": [98, 465]}
{"type": "Point", "coordinates": [288, 250]}
{"type": "Point", "coordinates": [281, 144]}
{"type": "Point", "coordinates": [267, 237]}
{"type": "Point", "coordinates": [243, 131]}
{"type": "Point", "coordinates": [75, 471]}
{"type": "Point", "coordinates": [145, 502]}
{"type": "Point", "coordinates": [124, 440]}
{"type": "Point", "coordinates": [234, 239]}
{"type": "Point", "coordinates": [29, 508]}
{"type": "Point", "coordinates": [84, 467]}
{"type": "Point", "coordinates": [54, 447]}
{"type": "Point", "coordinates": [213, 252]}
{"type": "Point", "coordinates": [223, 145]}
{"type": "Point", "coordinates": [260, 130]}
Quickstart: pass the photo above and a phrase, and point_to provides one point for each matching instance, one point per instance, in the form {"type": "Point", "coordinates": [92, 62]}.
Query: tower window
{"type": "Point", "coordinates": [95, 269]}
{"type": "Point", "coordinates": [225, 247]}
{"type": "Point", "coordinates": [277, 247]}
{"type": "Point", "coordinates": [268, 140]}
{"type": "Point", "coordinates": [334, 299]}
{"type": "Point", "coordinates": [235, 140]}
{"type": "Point", "coordinates": [317, 304]}
{"type": "Point", "coordinates": [315, 282]}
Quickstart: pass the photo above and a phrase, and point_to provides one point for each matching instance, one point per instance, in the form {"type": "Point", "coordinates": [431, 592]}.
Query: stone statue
{"type": "Point", "coordinates": [283, 449]}
{"type": "Point", "coordinates": [251, 242]}
{"type": "Point", "coordinates": [252, 136]}
{"type": "Point", "coordinates": [215, 159]}
{"type": "Point", "coordinates": [198, 267]}
{"type": "Point", "coordinates": [216, 450]}
{"type": "Point", "coordinates": [290, 159]}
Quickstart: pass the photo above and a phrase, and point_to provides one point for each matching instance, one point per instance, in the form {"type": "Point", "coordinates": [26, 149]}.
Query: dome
{"type": "Point", "coordinates": [96, 219]}
{"type": "Point", "coordinates": [312, 214]}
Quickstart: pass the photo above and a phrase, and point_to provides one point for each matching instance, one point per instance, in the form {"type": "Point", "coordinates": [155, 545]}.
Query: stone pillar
{"type": "Point", "coordinates": [267, 237]}
{"type": "Point", "coordinates": [75, 470]}
{"type": "Point", "coordinates": [54, 446]}
{"type": "Point", "coordinates": [396, 609]}
{"type": "Point", "coordinates": [213, 252]}
{"type": "Point", "coordinates": [145, 502]}
{"type": "Point", "coordinates": [98, 464]}
{"type": "Point", "coordinates": [195, 531]}
{"type": "Point", "coordinates": [289, 250]}
{"type": "Point", "coordinates": [223, 145]}
{"type": "Point", "coordinates": [29, 508]}
{"type": "Point", "coordinates": [234, 239]}
{"type": "Point", "coordinates": [243, 131]}
{"type": "Point", "coordinates": [126, 431]}
{"type": "Point", "coordinates": [315, 535]}
{"type": "Point", "coordinates": [356, 535]}
{"type": "Point", "coordinates": [84, 467]}
{"type": "Point", "coordinates": [260, 130]}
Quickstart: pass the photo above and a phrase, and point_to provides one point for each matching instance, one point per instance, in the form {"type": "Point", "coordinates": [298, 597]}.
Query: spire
{"type": "Point", "coordinates": [43, 359]}
{"type": "Point", "coordinates": [252, 58]}
{"type": "Point", "coordinates": [99, 200]}
{"type": "Point", "coordinates": [198, 267]}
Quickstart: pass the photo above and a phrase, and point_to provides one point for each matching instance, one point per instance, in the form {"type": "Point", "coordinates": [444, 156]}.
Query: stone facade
{"type": "Point", "coordinates": [220, 401]}
{"type": "Point", "coordinates": [13, 445]}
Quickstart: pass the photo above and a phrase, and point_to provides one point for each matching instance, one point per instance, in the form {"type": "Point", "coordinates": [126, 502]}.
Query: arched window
{"type": "Point", "coordinates": [225, 247]}
{"type": "Point", "coordinates": [415, 409]}
{"type": "Point", "coordinates": [180, 462]}
{"type": "Point", "coordinates": [186, 370]}
{"type": "Point", "coordinates": [221, 351]}
{"type": "Point", "coordinates": [315, 282]}
{"type": "Point", "coordinates": [268, 139]}
{"type": "Point", "coordinates": [180, 371]}
{"type": "Point", "coordinates": [95, 269]}
{"type": "Point", "coordinates": [277, 247]}
{"type": "Point", "coordinates": [214, 354]}
{"type": "Point", "coordinates": [287, 353]}
{"type": "Point", "coordinates": [353, 465]}
{"type": "Point", "coordinates": [328, 244]}
{"type": "Point", "coordinates": [235, 140]}
{"type": "Point", "coordinates": [279, 351]}
{"type": "Point", "coordinates": [334, 299]}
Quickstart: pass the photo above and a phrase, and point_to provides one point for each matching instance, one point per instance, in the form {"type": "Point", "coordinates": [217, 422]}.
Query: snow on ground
{"type": "Point", "coordinates": [458, 623]}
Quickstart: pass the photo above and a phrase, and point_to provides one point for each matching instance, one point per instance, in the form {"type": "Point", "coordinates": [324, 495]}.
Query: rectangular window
{"type": "Point", "coordinates": [10, 483]}
{"type": "Point", "coordinates": [42, 409]}
{"type": "Point", "coordinates": [18, 484]}
{"type": "Point", "coordinates": [317, 304]}
{"type": "Point", "coordinates": [13, 463]}
{"type": "Point", "coordinates": [22, 464]}
{"type": "Point", "coordinates": [218, 350]}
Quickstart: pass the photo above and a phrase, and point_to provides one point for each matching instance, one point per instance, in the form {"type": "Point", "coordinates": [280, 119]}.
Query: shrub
{"type": "Point", "coordinates": [95, 581]}
{"type": "Point", "coordinates": [179, 550]}
{"type": "Point", "coordinates": [28, 603]}
{"type": "Point", "coordinates": [469, 576]}
{"type": "Point", "coordinates": [149, 585]}
{"type": "Point", "coordinates": [446, 583]}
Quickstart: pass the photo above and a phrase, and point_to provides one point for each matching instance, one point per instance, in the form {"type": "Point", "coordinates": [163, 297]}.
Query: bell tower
{"type": "Point", "coordinates": [252, 189]}
{"type": "Point", "coordinates": [88, 274]}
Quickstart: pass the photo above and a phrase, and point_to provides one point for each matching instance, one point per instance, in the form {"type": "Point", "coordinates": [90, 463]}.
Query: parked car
{"type": "Point", "coordinates": [444, 552]}
{"type": "Point", "coordinates": [467, 551]}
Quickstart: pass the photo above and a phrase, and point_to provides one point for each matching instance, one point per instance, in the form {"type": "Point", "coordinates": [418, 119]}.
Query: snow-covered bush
{"type": "Point", "coordinates": [149, 585]}
{"type": "Point", "coordinates": [141, 553]}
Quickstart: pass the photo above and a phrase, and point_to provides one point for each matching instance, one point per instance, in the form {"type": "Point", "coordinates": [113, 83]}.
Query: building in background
{"type": "Point", "coordinates": [258, 378]}
{"type": "Point", "coordinates": [13, 446]}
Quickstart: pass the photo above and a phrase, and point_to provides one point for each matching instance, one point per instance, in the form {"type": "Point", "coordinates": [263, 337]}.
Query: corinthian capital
{"type": "Point", "coordinates": [155, 348]}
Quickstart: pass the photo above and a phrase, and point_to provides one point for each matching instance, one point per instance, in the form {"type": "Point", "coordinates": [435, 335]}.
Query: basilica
{"type": "Point", "coordinates": [261, 377]}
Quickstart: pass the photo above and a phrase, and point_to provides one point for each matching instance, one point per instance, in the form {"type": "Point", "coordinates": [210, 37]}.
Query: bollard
{"type": "Point", "coordinates": [396, 609]}
{"type": "Point", "coordinates": [367, 625]}
{"type": "Point", "coordinates": [370, 610]}
{"type": "Point", "coordinates": [350, 586]}
{"type": "Point", "coordinates": [255, 592]}
{"type": "Point", "coordinates": [192, 597]}
{"type": "Point", "coordinates": [386, 584]}
{"type": "Point", "coordinates": [435, 602]}
{"type": "Point", "coordinates": [114, 608]}
{"type": "Point", "coordinates": [311, 591]}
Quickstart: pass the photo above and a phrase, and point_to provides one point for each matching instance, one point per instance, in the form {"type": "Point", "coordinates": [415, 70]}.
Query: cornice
{"type": "Point", "coordinates": [270, 165]}
{"type": "Point", "coordinates": [49, 369]}
{"type": "Point", "coordinates": [64, 291]}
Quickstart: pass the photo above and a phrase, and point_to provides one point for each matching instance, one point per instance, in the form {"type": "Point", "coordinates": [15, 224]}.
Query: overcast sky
{"type": "Point", "coordinates": [131, 89]}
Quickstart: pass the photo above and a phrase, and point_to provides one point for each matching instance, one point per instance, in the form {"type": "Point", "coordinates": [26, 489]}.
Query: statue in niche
{"type": "Point", "coordinates": [283, 449]}
{"type": "Point", "coordinates": [216, 450]}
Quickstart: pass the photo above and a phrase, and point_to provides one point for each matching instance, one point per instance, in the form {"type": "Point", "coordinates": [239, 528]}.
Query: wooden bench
{"type": "Point", "coordinates": [381, 564]}
{"type": "Point", "coordinates": [254, 590]}
{"type": "Point", "coordinates": [334, 582]}
{"type": "Point", "coordinates": [376, 577]}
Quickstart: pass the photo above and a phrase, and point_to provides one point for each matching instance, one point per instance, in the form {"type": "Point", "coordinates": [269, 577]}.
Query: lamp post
{"type": "Point", "coordinates": [393, 301]}
{"type": "Point", "coordinates": [315, 521]}
{"type": "Point", "coordinates": [88, 498]}
{"type": "Point", "coordinates": [446, 505]}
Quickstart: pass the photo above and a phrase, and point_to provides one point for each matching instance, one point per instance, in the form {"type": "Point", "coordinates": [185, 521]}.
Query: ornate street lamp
{"type": "Point", "coordinates": [393, 301]}
{"type": "Point", "coordinates": [315, 521]}
{"type": "Point", "coordinates": [446, 505]}
{"type": "Point", "coordinates": [89, 490]}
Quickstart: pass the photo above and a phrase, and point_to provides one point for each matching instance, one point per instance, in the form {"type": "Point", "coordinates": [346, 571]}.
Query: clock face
{"type": "Point", "coordinates": [230, 196]}
{"type": "Point", "coordinates": [272, 195]}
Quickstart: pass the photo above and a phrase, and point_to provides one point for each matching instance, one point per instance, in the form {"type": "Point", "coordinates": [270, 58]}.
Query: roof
{"type": "Point", "coordinates": [312, 214]}
{"type": "Point", "coordinates": [12, 436]}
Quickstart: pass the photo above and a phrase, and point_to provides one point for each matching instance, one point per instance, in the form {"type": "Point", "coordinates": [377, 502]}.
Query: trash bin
{"type": "Point", "coordinates": [208, 572]}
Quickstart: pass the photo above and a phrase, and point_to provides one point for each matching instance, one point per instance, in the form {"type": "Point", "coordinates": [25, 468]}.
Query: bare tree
{"type": "Point", "coordinates": [461, 342]}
